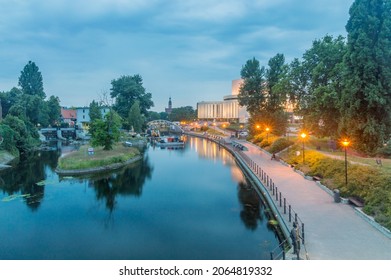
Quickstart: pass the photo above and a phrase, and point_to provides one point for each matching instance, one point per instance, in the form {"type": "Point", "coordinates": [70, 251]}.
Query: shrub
{"type": "Point", "coordinates": [369, 183]}
{"type": "Point", "coordinates": [279, 145]}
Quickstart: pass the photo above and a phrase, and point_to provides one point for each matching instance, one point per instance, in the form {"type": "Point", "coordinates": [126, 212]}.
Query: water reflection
{"type": "Point", "coordinates": [26, 179]}
{"type": "Point", "coordinates": [210, 150]}
{"type": "Point", "coordinates": [129, 181]}
{"type": "Point", "coordinates": [253, 208]}
{"type": "Point", "coordinates": [193, 203]}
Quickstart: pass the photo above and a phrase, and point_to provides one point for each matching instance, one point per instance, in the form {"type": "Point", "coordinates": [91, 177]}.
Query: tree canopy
{"type": "Point", "coordinates": [186, 113]}
{"type": "Point", "coordinates": [366, 98]}
{"type": "Point", "coordinates": [31, 81]}
{"type": "Point", "coordinates": [251, 92]}
{"type": "Point", "coordinates": [135, 119]}
{"type": "Point", "coordinates": [105, 132]}
{"type": "Point", "coordinates": [126, 90]}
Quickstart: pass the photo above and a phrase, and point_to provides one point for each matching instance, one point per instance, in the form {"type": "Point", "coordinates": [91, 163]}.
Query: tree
{"type": "Point", "coordinates": [367, 96]}
{"type": "Point", "coordinates": [135, 119]}
{"type": "Point", "coordinates": [276, 98]}
{"type": "Point", "coordinates": [95, 112]}
{"type": "Point", "coordinates": [105, 132]}
{"type": "Point", "coordinates": [251, 92]}
{"type": "Point", "coordinates": [186, 113]}
{"type": "Point", "coordinates": [10, 98]}
{"type": "Point", "coordinates": [37, 110]}
{"type": "Point", "coordinates": [23, 137]}
{"type": "Point", "coordinates": [126, 90]}
{"type": "Point", "coordinates": [53, 109]}
{"type": "Point", "coordinates": [273, 112]}
{"type": "Point", "coordinates": [8, 142]}
{"type": "Point", "coordinates": [318, 84]}
{"type": "Point", "coordinates": [30, 80]}
{"type": "Point", "coordinates": [153, 116]}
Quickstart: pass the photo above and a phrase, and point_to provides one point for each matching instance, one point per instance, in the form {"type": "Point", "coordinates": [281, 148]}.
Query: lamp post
{"type": "Point", "coordinates": [267, 135]}
{"type": "Point", "coordinates": [346, 143]}
{"type": "Point", "coordinates": [303, 136]}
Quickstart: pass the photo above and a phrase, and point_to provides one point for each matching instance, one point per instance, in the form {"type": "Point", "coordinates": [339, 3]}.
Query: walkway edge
{"type": "Point", "coordinates": [259, 186]}
{"type": "Point", "coordinates": [359, 212]}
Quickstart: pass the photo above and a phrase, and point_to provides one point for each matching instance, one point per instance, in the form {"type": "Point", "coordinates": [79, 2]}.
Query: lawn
{"type": "Point", "coordinates": [81, 159]}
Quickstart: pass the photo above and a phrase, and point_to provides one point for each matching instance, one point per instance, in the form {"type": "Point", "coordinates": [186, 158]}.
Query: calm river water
{"type": "Point", "coordinates": [192, 203]}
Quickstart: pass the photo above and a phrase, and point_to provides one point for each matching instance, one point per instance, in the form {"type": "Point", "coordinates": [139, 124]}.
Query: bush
{"type": "Point", "coordinates": [369, 183]}
{"type": "Point", "coordinates": [386, 150]}
{"type": "Point", "coordinates": [257, 139]}
{"type": "Point", "coordinates": [279, 145]}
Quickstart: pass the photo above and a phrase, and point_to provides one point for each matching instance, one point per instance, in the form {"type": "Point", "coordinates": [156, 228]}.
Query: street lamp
{"type": "Point", "coordinates": [346, 143]}
{"type": "Point", "coordinates": [303, 135]}
{"type": "Point", "coordinates": [267, 135]}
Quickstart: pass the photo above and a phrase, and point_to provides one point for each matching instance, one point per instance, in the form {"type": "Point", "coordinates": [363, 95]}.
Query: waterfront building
{"type": "Point", "coordinates": [68, 116]}
{"type": "Point", "coordinates": [83, 116]}
{"type": "Point", "coordinates": [228, 109]}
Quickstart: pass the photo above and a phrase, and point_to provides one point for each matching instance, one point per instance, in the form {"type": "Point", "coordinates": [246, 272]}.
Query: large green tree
{"type": "Point", "coordinates": [53, 109]}
{"type": "Point", "coordinates": [23, 133]}
{"type": "Point", "coordinates": [317, 84]}
{"type": "Point", "coordinates": [126, 90]}
{"type": "Point", "coordinates": [31, 81]}
{"type": "Point", "coordinates": [105, 132]}
{"type": "Point", "coordinates": [95, 112]}
{"type": "Point", "coordinates": [276, 72]}
{"type": "Point", "coordinates": [251, 92]}
{"type": "Point", "coordinates": [10, 98]}
{"type": "Point", "coordinates": [135, 119]}
{"type": "Point", "coordinates": [367, 96]}
{"type": "Point", "coordinates": [7, 139]}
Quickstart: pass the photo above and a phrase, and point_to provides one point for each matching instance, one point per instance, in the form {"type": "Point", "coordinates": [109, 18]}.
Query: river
{"type": "Point", "coordinates": [187, 204]}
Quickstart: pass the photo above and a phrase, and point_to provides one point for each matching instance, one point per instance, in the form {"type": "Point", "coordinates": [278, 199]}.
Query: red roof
{"type": "Point", "coordinates": [68, 113]}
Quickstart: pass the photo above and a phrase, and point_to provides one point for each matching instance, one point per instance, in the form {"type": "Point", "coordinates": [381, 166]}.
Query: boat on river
{"type": "Point", "coordinates": [170, 141]}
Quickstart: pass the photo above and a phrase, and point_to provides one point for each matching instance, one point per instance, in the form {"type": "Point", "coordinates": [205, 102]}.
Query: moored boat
{"type": "Point", "coordinates": [169, 141]}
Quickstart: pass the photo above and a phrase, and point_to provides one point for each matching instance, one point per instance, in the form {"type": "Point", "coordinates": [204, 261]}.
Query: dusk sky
{"type": "Point", "coordinates": [187, 50]}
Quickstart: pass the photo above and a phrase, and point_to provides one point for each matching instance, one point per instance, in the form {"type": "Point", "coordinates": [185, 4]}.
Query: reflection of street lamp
{"type": "Point", "coordinates": [346, 143]}
{"type": "Point", "coordinates": [267, 135]}
{"type": "Point", "coordinates": [303, 136]}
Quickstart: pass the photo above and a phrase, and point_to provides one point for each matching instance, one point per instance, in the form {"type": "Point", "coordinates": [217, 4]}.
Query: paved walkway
{"type": "Point", "coordinates": [333, 231]}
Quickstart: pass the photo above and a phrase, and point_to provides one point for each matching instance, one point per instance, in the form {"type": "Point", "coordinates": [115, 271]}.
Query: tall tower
{"type": "Point", "coordinates": [169, 109]}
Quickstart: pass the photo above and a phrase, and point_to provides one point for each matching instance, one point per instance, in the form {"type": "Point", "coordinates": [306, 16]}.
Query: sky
{"type": "Point", "coordinates": [189, 50]}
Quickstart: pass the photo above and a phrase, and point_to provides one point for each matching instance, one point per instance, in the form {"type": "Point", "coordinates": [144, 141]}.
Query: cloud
{"type": "Point", "coordinates": [189, 50]}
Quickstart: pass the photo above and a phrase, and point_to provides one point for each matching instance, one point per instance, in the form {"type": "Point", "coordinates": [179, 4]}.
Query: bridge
{"type": "Point", "coordinates": [165, 127]}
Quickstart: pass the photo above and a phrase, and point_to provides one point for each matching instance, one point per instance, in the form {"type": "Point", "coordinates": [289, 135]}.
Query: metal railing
{"type": "Point", "coordinates": [280, 202]}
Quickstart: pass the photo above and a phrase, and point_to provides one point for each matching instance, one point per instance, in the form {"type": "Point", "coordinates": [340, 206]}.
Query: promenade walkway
{"type": "Point", "coordinates": [333, 231]}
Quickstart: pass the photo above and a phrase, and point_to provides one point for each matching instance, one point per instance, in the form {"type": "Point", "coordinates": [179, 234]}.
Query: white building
{"type": "Point", "coordinates": [83, 116]}
{"type": "Point", "coordinates": [228, 109]}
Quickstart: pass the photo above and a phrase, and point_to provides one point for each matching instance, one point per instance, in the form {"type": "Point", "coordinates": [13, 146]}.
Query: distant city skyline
{"type": "Point", "coordinates": [187, 50]}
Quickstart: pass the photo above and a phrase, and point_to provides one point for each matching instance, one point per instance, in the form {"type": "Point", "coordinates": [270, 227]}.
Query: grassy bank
{"type": "Point", "coordinates": [370, 183]}
{"type": "Point", "coordinates": [366, 179]}
{"type": "Point", "coordinates": [80, 160]}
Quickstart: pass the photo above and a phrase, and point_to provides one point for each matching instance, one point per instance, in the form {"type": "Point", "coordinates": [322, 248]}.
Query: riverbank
{"type": "Point", "coordinates": [333, 231]}
{"type": "Point", "coordinates": [89, 160]}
